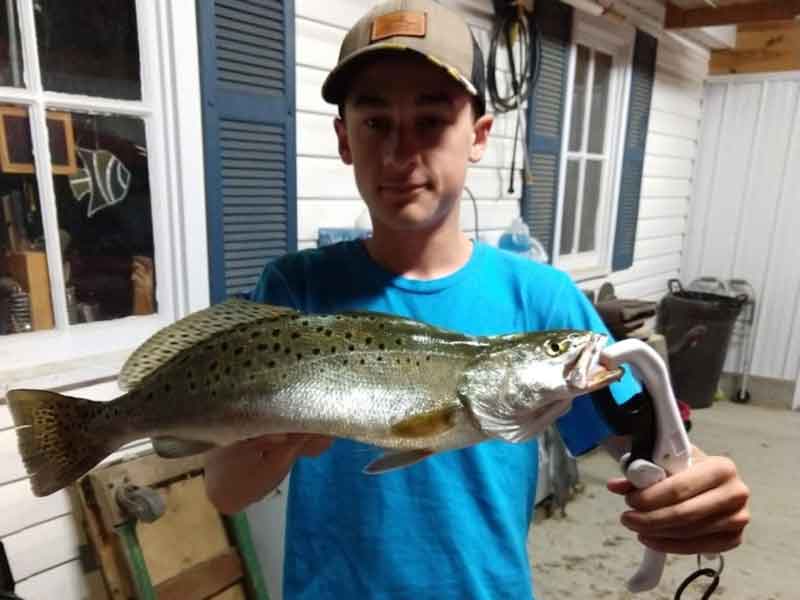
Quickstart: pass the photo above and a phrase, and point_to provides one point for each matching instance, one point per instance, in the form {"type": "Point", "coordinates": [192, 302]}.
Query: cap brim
{"type": "Point", "coordinates": [334, 89]}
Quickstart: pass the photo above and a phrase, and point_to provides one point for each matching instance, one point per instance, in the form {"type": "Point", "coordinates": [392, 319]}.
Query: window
{"type": "Point", "coordinates": [598, 75]}
{"type": "Point", "coordinates": [80, 248]}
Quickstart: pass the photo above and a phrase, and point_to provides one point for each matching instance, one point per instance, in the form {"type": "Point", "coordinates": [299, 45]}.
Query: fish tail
{"type": "Point", "coordinates": [56, 440]}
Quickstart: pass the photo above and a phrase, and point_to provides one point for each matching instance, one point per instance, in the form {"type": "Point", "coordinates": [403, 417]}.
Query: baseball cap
{"type": "Point", "coordinates": [421, 26]}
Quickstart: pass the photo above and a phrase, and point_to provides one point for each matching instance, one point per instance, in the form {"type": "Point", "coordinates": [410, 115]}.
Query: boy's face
{"type": "Point", "coordinates": [409, 131]}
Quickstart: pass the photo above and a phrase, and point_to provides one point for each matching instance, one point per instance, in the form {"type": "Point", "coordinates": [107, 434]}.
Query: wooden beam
{"type": "Point", "coordinates": [734, 14]}
{"type": "Point", "coordinates": [769, 48]}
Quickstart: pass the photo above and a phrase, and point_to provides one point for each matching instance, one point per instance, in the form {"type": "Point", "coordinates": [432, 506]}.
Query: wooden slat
{"type": "Point", "coordinates": [678, 18]}
{"type": "Point", "coordinates": [203, 580]}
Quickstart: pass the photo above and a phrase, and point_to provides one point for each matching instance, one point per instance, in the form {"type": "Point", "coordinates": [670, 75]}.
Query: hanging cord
{"type": "Point", "coordinates": [713, 574]}
{"type": "Point", "coordinates": [515, 25]}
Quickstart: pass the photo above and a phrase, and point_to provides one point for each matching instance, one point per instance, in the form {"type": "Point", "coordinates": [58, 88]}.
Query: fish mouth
{"type": "Point", "coordinates": [590, 370]}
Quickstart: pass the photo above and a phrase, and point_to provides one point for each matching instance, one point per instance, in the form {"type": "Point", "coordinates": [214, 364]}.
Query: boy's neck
{"type": "Point", "coordinates": [420, 254]}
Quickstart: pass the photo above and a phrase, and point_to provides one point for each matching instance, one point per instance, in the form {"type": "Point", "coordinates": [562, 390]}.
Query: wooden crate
{"type": "Point", "coordinates": [188, 552]}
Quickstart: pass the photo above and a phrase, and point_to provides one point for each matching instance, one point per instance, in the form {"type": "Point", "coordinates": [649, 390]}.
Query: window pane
{"type": "Point", "coordinates": [592, 185]}
{"type": "Point", "coordinates": [578, 98]}
{"type": "Point", "coordinates": [104, 213]}
{"type": "Point", "coordinates": [10, 49]}
{"type": "Point", "coordinates": [25, 303]}
{"type": "Point", "coordinates": [599, 109]}
{"type": "Point", "coordinates": [89, 47]}
{"type": "Point", "coordinates": [570, 204]}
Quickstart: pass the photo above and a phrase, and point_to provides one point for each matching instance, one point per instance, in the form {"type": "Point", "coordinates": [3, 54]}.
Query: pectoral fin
{"type": "Point", "coordinates": [396, 459]}
{"type": "Point", "coordinates": [426, 424]}
{"type": "Point", "coordinates": [172, 447]}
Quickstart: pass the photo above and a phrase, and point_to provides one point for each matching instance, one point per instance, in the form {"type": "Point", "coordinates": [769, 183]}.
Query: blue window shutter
{"type": "Point", "coordinates": [247, 76]}
{"type": "Point", "coordinates": [643, 78]}
{"type": "Point", "coordinates": [545, 121]}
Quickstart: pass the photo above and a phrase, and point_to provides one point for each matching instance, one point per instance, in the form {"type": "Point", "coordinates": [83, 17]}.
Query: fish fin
{"type": "Point", "coordinates": [56, 450]}
{"type": "Point", "coordinates": [396, 459]}
{"type": "Point", "coordinates": [172, 447]}
{"type": "Point", "coordinates": [198, 327]}
{"type": "Point", "coordinates": [426, 424]}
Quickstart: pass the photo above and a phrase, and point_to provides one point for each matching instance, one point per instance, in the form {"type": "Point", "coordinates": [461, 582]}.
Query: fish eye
{"type": "Point", "coordinates": [555, 348]}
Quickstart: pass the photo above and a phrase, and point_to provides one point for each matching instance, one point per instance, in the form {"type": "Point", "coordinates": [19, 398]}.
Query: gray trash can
{"type": "Point", "coordinates": [697, 327]}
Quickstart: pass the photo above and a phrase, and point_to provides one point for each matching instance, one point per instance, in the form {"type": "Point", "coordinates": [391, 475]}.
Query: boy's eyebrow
{"type": "Point", "coordinates": [369, 100]}
{"type": "Point", "coordinates": [365, 99]}
{"type": "Point", "coordinates": [435, 99]}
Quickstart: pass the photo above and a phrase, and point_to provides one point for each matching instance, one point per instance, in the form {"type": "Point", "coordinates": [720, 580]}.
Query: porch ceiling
{"type": "Point", "coordinates": [687, 14]}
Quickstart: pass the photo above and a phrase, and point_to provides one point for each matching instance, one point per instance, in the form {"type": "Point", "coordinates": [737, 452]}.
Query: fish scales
{"type": "Point", "coordinates": [339, 375]}
{"type": "Point", "coordinates": [241, 369]}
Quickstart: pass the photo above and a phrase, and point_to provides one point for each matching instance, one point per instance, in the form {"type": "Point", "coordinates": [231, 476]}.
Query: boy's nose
{"type": "Point", "coordinates": [401, 147]}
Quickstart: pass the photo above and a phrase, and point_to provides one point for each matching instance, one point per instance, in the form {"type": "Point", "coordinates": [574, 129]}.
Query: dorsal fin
{"type": "Point", "coordinates": [189, 331]}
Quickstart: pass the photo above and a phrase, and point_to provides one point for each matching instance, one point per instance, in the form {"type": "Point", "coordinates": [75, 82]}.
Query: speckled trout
{"type": "Point", "coordinates": [241, 369]}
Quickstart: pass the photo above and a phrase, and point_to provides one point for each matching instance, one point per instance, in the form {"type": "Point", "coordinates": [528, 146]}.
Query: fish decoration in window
{"type": "Point", "coordinates": [103, 178]}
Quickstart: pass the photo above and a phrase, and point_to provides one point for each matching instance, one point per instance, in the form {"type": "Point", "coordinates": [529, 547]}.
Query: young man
{"type": "Point", "coordinates": [409, 84]}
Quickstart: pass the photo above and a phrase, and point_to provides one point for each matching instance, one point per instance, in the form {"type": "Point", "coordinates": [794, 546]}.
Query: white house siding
{"type": "Point", "coordinates": [327, 194]}
{"type": "Point", "coordinates": [745, 210]}
{"type": "Point", "coordinates": [672, 148]}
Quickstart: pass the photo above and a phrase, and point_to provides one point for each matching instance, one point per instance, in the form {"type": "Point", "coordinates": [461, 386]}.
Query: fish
{"type": "Point", "coordinates": [241, 369]}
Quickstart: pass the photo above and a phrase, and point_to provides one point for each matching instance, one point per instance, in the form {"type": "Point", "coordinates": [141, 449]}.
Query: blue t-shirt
{"type": "Point", "coordinates": [456, 524]}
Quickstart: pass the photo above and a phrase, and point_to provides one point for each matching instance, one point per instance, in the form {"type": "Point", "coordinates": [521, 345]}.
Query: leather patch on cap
{"type": "Point", "coordinates": [401, 22]}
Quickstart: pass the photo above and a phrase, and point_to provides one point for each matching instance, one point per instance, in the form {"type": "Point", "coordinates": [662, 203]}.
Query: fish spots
{"type": "Point", "coordinates": [381, 346]}
{"type": "Point", "coordinates": [271, 364]}
{"type": "Point", "coordinates": [348, 335]}
{"type": "Point", "coordinates": [295, 335]}
{"type": "Point", "coordinates": [276, 332]}
{"type": "Point", "coordinates": [328, 332]}
{"type": "Point", "coordinates": [248, 364]}
{"type": "Point", "coordinates": [351, 348]}
{"type": "Point", "coordinates": [276, 347]}
{"type": "Point", "coordinates": [316, 351]}
{"type": "Point", "coordinates": [213, 366]}
{"type": "Point", "coordinates": [224, 346]}
{"type": "Point", "coordinates": [238, 351]}
{"type": "Point", "coordinates": [299, 357]}
{"type": "Point", "coordinates": [399, 342]}
{"type": "Point", "coordinates": [333, 349]}
{"type": "Point", "coordinates": [368, 341]}
{"type": "Point", "coordinates": [263, 347]}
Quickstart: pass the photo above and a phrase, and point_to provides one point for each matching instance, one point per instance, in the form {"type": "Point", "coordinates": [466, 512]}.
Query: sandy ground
{"type": "Point", "coordinates": [588, 554]}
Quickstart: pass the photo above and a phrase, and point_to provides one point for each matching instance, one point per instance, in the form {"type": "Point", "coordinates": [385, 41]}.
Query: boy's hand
{"type": "Point", "coordinates": [701, 510]}
{"type": "Point", "coordinates": [244, 472]}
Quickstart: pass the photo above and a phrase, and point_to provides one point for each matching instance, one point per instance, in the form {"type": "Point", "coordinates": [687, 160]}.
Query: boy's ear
{"type": "Point", "coordinates": [344, 142]}
{"type": "Point", "coordinates": [480, 137]}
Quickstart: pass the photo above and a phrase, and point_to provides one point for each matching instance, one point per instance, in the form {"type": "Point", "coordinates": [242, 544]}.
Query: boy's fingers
{"type": "Point", "coordinates": [705, 475]}
{"type": "Point", "coordinates": [619, 486]}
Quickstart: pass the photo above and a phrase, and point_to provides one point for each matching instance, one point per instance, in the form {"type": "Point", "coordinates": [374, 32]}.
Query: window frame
{"type": "Point", "coordinates": [170, 110]}
{"type": "Point", "coordinates": [616, 40]}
